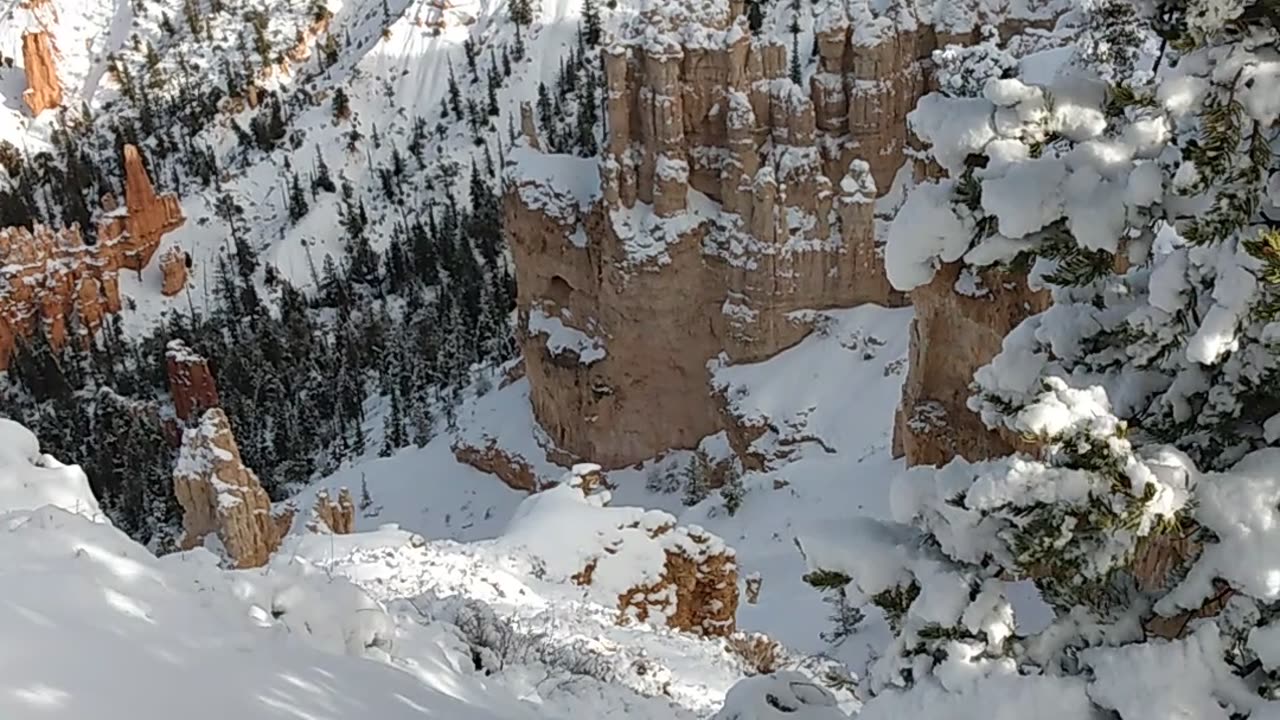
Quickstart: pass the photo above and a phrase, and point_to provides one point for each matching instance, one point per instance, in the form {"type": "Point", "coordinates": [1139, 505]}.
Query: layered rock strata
{"type": "Point", "coordinates": [223, 498]}
{"type": "Point", "coordinates": [52, 282]}
{"type": "Point", "coordinates": [728, 199]}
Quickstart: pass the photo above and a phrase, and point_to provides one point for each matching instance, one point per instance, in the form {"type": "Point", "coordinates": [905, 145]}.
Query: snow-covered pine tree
{"type": "Point", "coordinates": [1148, 515]}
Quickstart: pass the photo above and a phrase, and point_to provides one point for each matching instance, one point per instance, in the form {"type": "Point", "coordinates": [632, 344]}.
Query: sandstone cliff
{"type": "Point", "coordinates": [44, 89]}
{"type": "Point", "coordinates": [960, 323]}
{"type": "Point", "coordinates": [51, 281]}
{"type": "Point", "coordinates": [221, 497]}
{"type": "Point", "coordinates": [728, 199]}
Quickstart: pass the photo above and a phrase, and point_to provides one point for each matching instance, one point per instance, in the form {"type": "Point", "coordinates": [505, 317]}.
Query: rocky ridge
{"type": "Point", "coordinates": [729, 200]}
{"type": "Point", "coordinates": [52, 281]}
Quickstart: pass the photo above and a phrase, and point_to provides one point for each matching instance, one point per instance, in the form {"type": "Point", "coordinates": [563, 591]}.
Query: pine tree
{"type": "Point", "coordinates": [755, 15]}
{"type": "Point", "coordinates": [297, 199]}
{"type": "Point", "coordinates": [733, 492]}
{"type": "Point", "coordinates": [517, 49]}
{"type": "Point", "coordinates": [455, 95]}
{"type": "Point", "coordinates": [521, 13]}
{"type": "Point", "coordinates": [341, 105]}
{"type": "Point", "coordinates": [1145, 403]}
{"type": "Point", "coordinates": [797, 75]}
{"type": "Point", "coordinates": [591, 23]}
{"type": "Point", "coordinates": [697, 480]}
{"type": "Point", "coordinates": [323, 181]}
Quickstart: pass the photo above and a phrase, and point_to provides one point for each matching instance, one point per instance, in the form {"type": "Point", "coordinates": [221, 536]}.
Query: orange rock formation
{"type": "Point", "coordinates": [44, 89]}
{"type": "Point", "coordinates": [730, 199]}
{"type": "Point", "coordinates": [190, 382]}
{"type": "Point", "coordinates": [220, 496]}
{"type": "Point", "coordinates": [338, 517]}
{"type": "Point", "coordinates": [52, 282]}
{"type": "Point", "coordinates": [952, 335]}
{"type": "Point", "coordinates": [174, 269]}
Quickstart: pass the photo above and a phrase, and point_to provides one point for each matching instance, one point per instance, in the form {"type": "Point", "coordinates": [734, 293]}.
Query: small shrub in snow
{"type": "Point", "coordinates": [497, 645]}
{"type": "Point", "coordinates": [663, 480]}
{"type": "Point", "coordinates": [697, 480]}
{"type": "Point", "coordinates": [733, 491]}
{"type": "Point", "coordinates": [759, 653]}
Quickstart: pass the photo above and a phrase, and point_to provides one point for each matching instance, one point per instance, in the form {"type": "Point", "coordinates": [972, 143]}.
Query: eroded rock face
{"type": "Point", "coordinates": [697, 589]}
{"type": "Point", "coordinates": [960, 323]}
{"type": "Point", "coordinates": [509, 467]}
{"type": "Point", "coordinates": [44, 89]}
{"type": "Point", "coordinates": [52, 282]}
{"type": "Point", "coordinates": [728, 200]}
{"type": "Point", "coordinates": [174, 270]}
{"type": "Point", "coordinates": [701, 575]}
{"type": "Point", "coordinates": [338, 517]}
{"type": "Point", "coordinates": [220, 496]}
{"type": "Point", "coordinates": [190, 382]}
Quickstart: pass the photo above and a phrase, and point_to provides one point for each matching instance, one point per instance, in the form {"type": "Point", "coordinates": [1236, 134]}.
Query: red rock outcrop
{"type": "Point", "coordinates": [697, 587]}
{"type": "Point", "coordinates": [174, 268]}
{"type": "Point", "coordinates": [44, 89]}
{"type": "Point", "coordinates": [509, 467]}
{"type": "Point", "coordinates": [729, 199]}
{"type": "Point", "coordinates": [190, 382]}
{"type": "Point", "coordinates": [52, 282]}
{"type": "Point", "coordinates": [220, 496]}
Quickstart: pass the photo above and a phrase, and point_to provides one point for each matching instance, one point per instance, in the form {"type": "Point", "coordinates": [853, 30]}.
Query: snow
{"type": "Point", "coordinates": [97, 626]}
{"type": "Point", "coordinates": [564, 339]}
{"type": "Point", "coordinates": [30, 479]}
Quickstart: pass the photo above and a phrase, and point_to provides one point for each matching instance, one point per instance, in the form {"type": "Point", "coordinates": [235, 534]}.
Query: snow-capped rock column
{"type": "Point", "coordinates": [220, 496]}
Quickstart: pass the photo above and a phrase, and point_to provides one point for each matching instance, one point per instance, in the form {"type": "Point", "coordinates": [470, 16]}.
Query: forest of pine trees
{"type": "Point", "coordinates": [409, 315]}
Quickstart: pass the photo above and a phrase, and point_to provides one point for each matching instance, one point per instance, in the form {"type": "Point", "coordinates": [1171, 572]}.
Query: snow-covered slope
{"type": "Point", "coordinates": [96, 626]}
{"type": "Point", "coordinates": [829, 402]}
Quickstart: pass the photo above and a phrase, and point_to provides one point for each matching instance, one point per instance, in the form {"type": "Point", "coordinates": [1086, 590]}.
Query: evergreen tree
{"type": "Point", "coordinates": [733, 492]}
{"type": "Point", "coordinates": [297, 199]}
{"type": "Point", "coordinates": [323, 181]}
{"type": "Point", "coordinates": [697, 480]}
{"type": "Point", "coordinates": [755, 15]}
{"type": "Point", "coordinates": [591, 23]}
{"type": "Point", "coordinates": [797, 74]}
{"type": "Point", "coordinates": [1145, 396]}
{"type": "Point", "coordinates": [455, 95]}
{"type": "Point", "coordinates": [341, 105]}
{"type": "Point", "coordinates": [521, 13]}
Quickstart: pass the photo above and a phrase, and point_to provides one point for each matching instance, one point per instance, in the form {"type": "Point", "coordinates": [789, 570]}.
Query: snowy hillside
{"type": "Point", "coordinates": [94, 623]}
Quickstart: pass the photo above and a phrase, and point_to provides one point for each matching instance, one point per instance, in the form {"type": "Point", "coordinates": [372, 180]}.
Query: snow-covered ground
{"type": "Point", "coordinates": [830, 401]}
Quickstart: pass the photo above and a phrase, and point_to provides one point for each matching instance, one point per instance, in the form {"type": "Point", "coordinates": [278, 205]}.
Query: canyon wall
{"type": "Point", "coordinates": [727, 201]}
{"type": "Point", "coordinates": [51, 281]}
